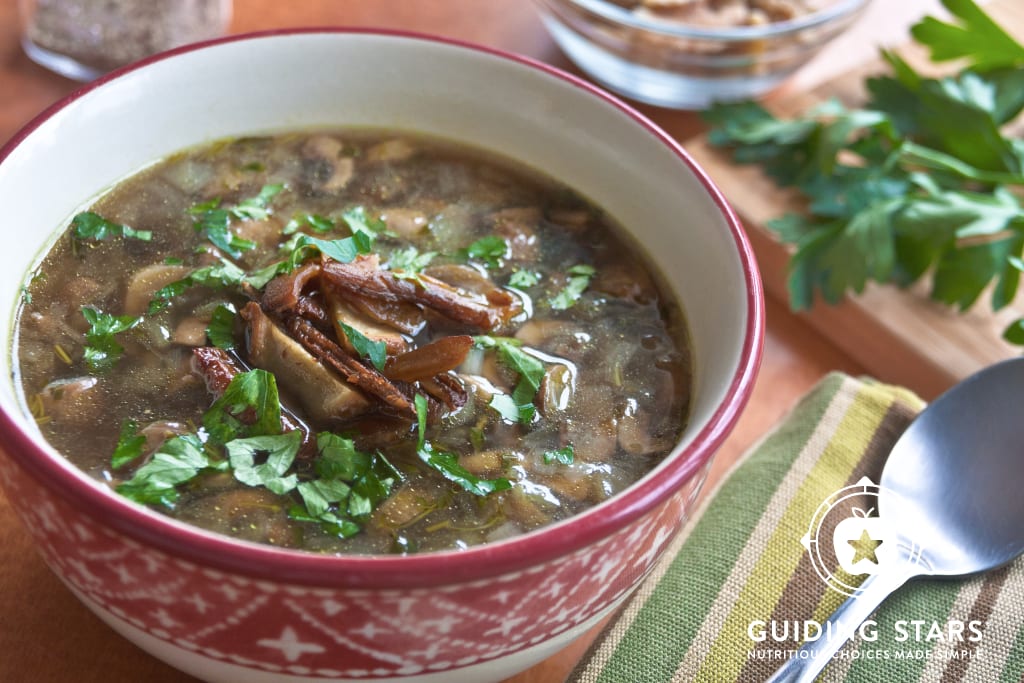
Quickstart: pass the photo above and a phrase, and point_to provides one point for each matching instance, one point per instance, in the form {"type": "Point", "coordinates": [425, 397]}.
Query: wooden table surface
{"type": "Point", "coordinates": [46, 636]}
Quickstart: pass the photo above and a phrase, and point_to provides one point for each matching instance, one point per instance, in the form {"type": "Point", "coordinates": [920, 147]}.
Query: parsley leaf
{"type": "Point", "coordinates": [215, 225]}
{"type": "Point", "coordinates": [447, 464]}
{"type": "Point", "coordinates": [102, 350]}
{"type": "Point", "coordinates": [344, 250]}
{"type": "Point", "coordinates": [129, 445]}
{"type": "Point", "coordinates": [564, 455]}
{"type": "Point", "coordinates": [91, 226]}
{"type": "Point", "coordinates": [925, 179]}
{"type": "Point", "coordinates": [351, 485]}
{"type": "Point", "coordinates": [319, 495]}
{"type": "Point", "coordinates": [258, 207]}
{"type": "Point", "coordinates": [279, 449]}
{"type": "Point", "coordinates": [359, 222]}
{"type": "Point", "coordinates": [490, 250]}
{"type": "Point", "coordinates": [220, 331]}
{"type": "Point", "coordinates": [982, 41]}
{"type": "Point", "coordinates": [178, 460]}
{"type": "Point", "coordinates": [410, 261]}
{"type": "Point", "coordinates": [375, 350]}
{"type": "Point", "coordinates": [217, 276]}
{"type": "Point", "coordinates": [529, 369]}
{"type": "Point", "coordinates": [511, 410]}
{"type": "Point", "coordinates": [248, 407]}
{"type": "Point", "coordinates": [339, 458]}
{"type": "Point", "coordinates": [524, 279]}
{"type": "Point", "coordinates": [579, 280]}
{"type": "Point", "coordinates": [315, 222]}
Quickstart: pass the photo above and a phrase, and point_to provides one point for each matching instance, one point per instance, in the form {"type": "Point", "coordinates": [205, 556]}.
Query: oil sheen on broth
{"type": "Point", "coordinates": [353, 342]}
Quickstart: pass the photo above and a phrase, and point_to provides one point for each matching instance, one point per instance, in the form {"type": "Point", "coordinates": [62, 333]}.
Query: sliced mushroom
{"type": "Point", "coordinates": [322, 393]}
{"type": "Point", "coordinates": [484, 464]}
{"type": "Point", "coordinates": [556, 388]}
{"type": "Point", "coordinates": [250, 514]}
{"type": "Point", "coordinates": [407, 223]}
{"type": "Point", "coordinates": [402, 316]}
{"type": "Point", "coordinates": [365, 378]}
{"type": "Point", "coordinates": [145, 283]}
{"type": "Point", "coordinates": [636, 436]}
{"type": "Point", "coordinates": [335, 171]}
{"type": "Point", "coordinates": [398, 149]}
{"type": "Point", "coordinates": [344, 314]}
{"type": "Point", "coordinates": [407, 505]}
{"type": "Point", "coordinates": [190, 332]}
{"type": "Point", "coordinates": [72, 401]}
{"type": "Point", "coordinates": [518, 225]}
{"type": "Point", "coordinates": [156, 433]}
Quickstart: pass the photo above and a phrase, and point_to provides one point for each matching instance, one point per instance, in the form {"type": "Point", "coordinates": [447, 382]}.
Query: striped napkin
{"type": "Point", "coordinates": [739, 570]}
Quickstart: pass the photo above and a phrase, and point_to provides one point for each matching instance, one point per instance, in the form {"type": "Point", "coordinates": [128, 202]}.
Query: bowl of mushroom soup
{"type": "Point", "coordinates": [358, 372]}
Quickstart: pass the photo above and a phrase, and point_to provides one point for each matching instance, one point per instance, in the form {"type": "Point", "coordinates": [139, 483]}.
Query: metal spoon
{"type": "Point", "coordinates": [951, 489]}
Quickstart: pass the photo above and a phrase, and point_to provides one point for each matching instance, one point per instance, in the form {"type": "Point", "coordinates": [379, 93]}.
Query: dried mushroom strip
{"type": "Point", "coordinates": [364, 276]}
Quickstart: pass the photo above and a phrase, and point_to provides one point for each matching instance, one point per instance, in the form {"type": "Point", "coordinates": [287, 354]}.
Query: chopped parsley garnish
{"type": "Point", "coordinates": [489, 250]}
{"type": "Point", "coordinates": [215, 223]}
{"type": "Point", "coordinates": [351, 484]}
{"type": "Point", "coordinates": [523, 279]}
{"type": "Point", "coordinates": [410, 261]}
{"type": "Point", "coordinates": [222, 274]}
{"type": "Point", "coordinates": [129, 445]}
{"type": "Point", "coordinates": [101, 349]}
{"type": "Point", "coordinates": [529, 369]}
{"type": "Point", "coordinates": [376, 351]}
{"type": "Point", "coordinates": [179, 460]}
{"type": "Point", "coordinates": [92, 226]}
{"type": "Point", "coordinates": [315, 222]}
{"type": "Point", "coordinates": [579, 279]}
{"type": "Point", "coordinates": [276, 451]}
{"type": "Point", "coordinates": [447, 464]}
{"type": "Point", "coordinates": [343, 250]}
{"type": "Point", "coordinates": [564, 455]}
{"type": "Point", "coordinates": [242, 434]}
{"type": "Point", "coordinates": [250, 395]}
{"type": "Point", "coordinates": [257, 208]}
{"type": "Point", "coordinates": [220, 331]}
{"type": "Point", "coordinates": [359, 222]}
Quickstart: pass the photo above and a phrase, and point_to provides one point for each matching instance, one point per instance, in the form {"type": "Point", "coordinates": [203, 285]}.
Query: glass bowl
{"type": "Point", "coordinates": [671, 64]}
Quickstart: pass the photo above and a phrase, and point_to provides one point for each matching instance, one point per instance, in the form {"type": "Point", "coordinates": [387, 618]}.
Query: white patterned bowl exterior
{"type": "Point", "coordinates": [225, 610]}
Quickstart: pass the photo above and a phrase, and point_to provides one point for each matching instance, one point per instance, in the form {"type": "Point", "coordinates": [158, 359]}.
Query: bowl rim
{"type": "Point", "coordinates": [263, 562]}
{"type": "Point", "coordinates": [608, 11]}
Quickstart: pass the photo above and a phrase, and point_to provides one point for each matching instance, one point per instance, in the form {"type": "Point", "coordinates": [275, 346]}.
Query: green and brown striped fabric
{"type": "Point", "coordinates": [739, 562]}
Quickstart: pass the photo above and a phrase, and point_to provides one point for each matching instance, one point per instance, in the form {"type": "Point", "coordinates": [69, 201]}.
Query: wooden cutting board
{"type": "Point", "coordinates": [897, 335]}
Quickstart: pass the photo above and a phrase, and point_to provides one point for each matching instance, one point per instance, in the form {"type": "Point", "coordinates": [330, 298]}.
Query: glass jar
{"type": "Point", "coordinates": [82, 39]}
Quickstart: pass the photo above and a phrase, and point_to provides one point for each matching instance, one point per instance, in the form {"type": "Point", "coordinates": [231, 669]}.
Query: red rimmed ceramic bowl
{"type": "Point", "coordinates": [225, 610]}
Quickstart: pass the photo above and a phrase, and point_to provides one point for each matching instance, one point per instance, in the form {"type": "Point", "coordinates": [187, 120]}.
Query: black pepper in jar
{"type": "Point", "coordinates": [83, 39]}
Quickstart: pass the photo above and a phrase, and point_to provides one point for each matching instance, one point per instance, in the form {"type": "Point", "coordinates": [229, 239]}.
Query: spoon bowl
{"type": "Point", "coordinates": [952, 484]}
{"type": "Point", "coordinates": [950, 497]}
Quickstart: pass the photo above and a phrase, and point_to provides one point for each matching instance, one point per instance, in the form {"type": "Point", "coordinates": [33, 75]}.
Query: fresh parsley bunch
{"type": "Point", "coordinates": [925, 179]}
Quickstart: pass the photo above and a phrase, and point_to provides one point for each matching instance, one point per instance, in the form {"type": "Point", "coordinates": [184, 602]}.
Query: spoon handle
{"type": "Point", "coordinates": [814, 656]}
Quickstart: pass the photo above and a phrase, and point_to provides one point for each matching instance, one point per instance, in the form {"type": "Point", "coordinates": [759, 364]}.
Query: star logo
{"type": "Point", "coordinates": [864, 547]}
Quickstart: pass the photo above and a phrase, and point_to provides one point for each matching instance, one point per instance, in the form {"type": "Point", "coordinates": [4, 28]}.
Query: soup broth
{"type": "Point", "coordinates": [353, 342]}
